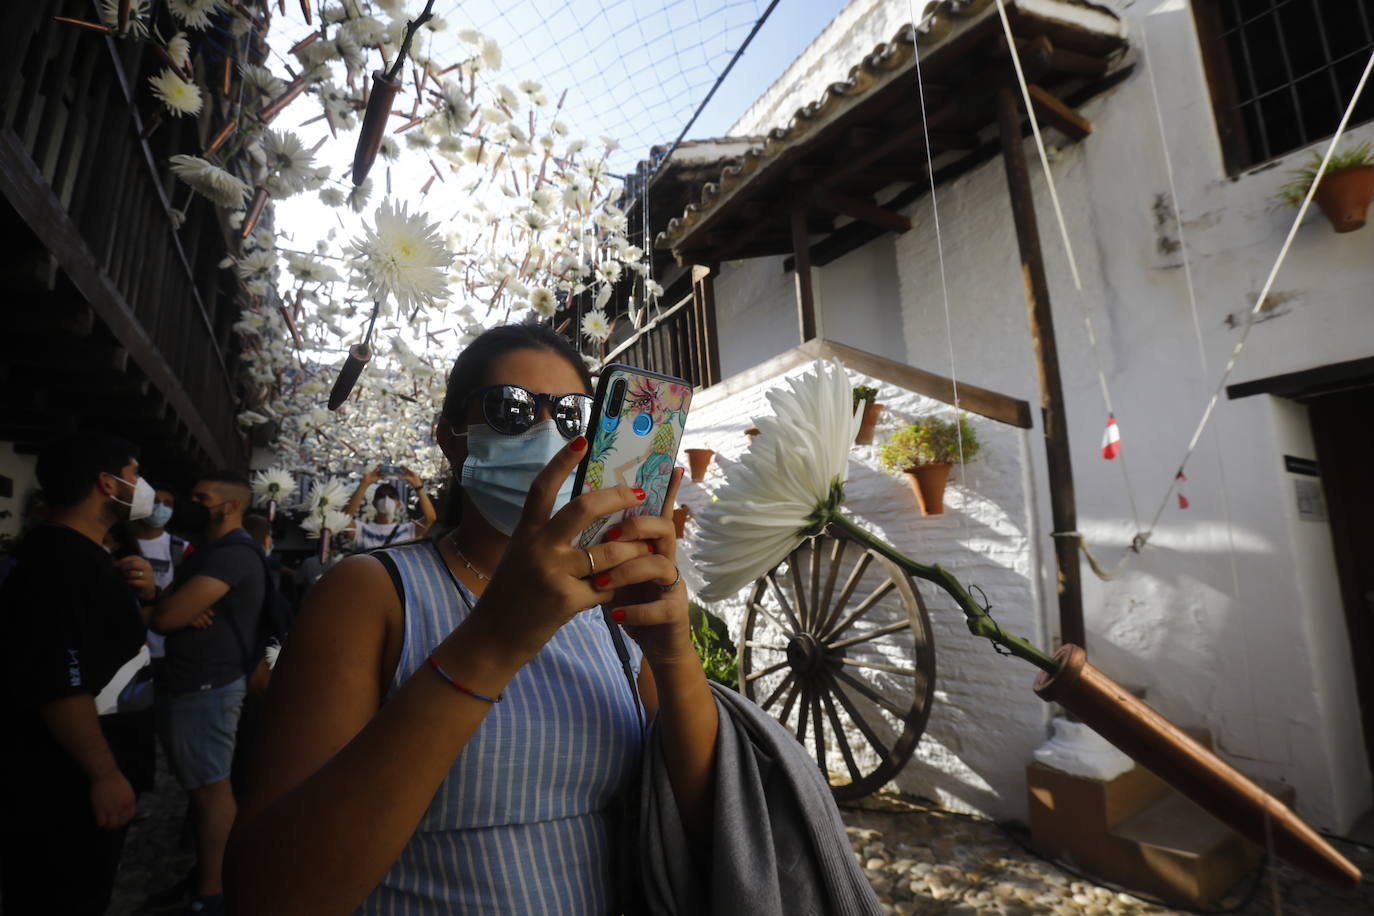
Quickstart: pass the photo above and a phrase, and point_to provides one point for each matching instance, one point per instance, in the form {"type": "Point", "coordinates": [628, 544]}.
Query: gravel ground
{"type": "Point", "coordinates": [920, 858]}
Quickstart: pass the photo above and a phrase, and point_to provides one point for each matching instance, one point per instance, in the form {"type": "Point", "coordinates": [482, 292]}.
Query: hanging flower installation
{"type": "Point", "coordinates": [401, 257]}
{"type": "Point", "coordinates": [789, 486]}
{"type": "Point", "coordinates": [273, 488]}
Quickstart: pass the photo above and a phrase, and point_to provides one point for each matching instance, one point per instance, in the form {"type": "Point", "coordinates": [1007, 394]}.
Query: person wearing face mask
{"type": "Point", "coordinates": [211, 619]}
{"type": "Point", "coordinates": [453, 724]}
{"type": "Point", "coordinates": [390, 525]}
{"type": "Point", "coordinates": [72, 616]}
{"type": "Point", "coordinates": [163, 550]}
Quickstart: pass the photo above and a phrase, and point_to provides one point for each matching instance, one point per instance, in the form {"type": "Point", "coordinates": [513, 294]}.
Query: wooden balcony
{"type": "Point", "coordinates": [680, 341]}
{"type": "Point", "coordinates": [117, 319]}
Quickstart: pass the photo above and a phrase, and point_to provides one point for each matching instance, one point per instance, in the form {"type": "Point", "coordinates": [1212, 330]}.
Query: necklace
{"type": "Point", "coordinates": [453, 542]}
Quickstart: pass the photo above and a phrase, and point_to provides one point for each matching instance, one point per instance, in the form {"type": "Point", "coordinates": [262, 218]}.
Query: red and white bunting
{"type": "Point", "coordinates": [1182, 500]}
{"type": "Point", "coordinates": [1111, 439]}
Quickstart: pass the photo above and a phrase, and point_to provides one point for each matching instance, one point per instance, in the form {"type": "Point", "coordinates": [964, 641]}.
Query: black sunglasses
{"type": "Point", "coordinates": [511, 409]}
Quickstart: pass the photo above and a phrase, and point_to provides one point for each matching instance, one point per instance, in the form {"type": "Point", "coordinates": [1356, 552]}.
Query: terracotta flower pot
{"type": "Point", "coordinates": [928, 483]}
{"type": "Point", "coordinates": [1344, 196]}
{"type": "Point", "coordinates": [751, 432]}
{"type": "Point", "coordinates": [870, 420]}
{"type": "Point", "coordinates": [680, 520]}
{"type": "Point", "coordinates": [1171, 754]}
{"type": "Point", "coordinates": [699, 459]}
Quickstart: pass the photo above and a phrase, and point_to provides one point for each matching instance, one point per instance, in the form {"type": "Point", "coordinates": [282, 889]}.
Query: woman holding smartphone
{"type": "Point", "coordinates": [450, 725]}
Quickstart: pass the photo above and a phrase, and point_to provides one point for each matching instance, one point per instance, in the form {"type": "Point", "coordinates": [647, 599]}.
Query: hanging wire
{"type": "Point", "coordinates": [1068, 247]}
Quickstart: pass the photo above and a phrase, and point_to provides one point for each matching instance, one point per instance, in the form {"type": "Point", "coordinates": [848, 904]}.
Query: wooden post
{"type": "Point", "coordinates": [704, 307]}
{"type": "Point", "coordinates": [1062, 506]}
{"type": "Point", "coordinates": [806, 297]}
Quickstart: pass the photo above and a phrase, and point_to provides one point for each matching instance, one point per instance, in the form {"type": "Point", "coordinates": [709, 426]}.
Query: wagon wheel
{"type": "Point", "coordinates": [837, 646]}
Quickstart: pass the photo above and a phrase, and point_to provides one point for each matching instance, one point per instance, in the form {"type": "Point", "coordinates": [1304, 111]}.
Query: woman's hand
{"type": "Point", "coordinates": [650, 598]}
{"type": "Point", "coordinates": [543, 580]}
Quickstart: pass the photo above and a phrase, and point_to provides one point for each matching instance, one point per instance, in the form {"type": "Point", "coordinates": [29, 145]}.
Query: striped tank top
{"type": "Point", "coordinates": [521, 822]}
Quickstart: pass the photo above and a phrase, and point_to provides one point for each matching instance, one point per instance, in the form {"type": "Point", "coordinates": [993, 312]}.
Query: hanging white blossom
{"type": "Point", "coordinates": [790, 480]}
{"type": "Point", "coordinates": [209, 180]}
{"type": "Point", "coordinates": [178, 95]}
{"type": "Point", "coordinates": [195, 14]}
{"type": "Point", "coordinates": [595, 326]}
{"type": "Point", "coordinates": [401, 256]}
{"type": "Point", "coordinates": [275, 483]}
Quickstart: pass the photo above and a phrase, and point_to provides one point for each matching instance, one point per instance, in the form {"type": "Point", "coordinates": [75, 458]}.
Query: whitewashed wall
{"type": "Point", "coordinates": [1230, 618]}
{"type": "Point", "coordinates": [985, 721]}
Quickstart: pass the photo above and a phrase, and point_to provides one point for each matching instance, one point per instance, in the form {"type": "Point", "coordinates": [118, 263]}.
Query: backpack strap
{"type": "Point", "coordinates": [392, 536]}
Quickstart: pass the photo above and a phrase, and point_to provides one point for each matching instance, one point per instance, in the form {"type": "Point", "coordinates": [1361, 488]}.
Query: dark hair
{"type": "Point", "coordinates": [386, 489]}
{"type": "Point", "coordinates": [471, 370]}
{"type": "Point", "coordinates": [67, 467]}
{"type": "Point", "coordinates": [232, 480]}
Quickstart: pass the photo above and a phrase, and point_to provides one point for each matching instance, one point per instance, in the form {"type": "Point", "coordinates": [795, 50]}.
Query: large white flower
{"type": "Point", "coordinates": [179, 49]}
{"type": "Point", "coordinates": [209, 180]}
{"type": "Point", "coordinates": [787, 485]}
{"type": "Point", "coordinates": [334, 521]}
{"type": "Point", "coordinates": [595, 326]}
{"type": "Point", "coordinates": [195, 14]}
{"type": "Point", "coordinates": [179, 95]}
{"type": "Point", "coordinates": [262, 80]}
{"type": "Point", "coordinates": [403, 256]}
{"type": "Point", "coordinates": [274, 483]}
{"type": "Point", "coordinates": [288, 160]}
{"type": "Point", "coordinates": [138, 16]}
{"type": "Point", "coordinates": [327, 494]}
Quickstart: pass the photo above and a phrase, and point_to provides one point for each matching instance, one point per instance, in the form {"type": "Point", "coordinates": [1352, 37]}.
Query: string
{"type": "Point", "coordinates": [1068, 248]}
{"type": "Point", "coordinates": [1264, 291]}
{"type": "Point", "coordinates": [1192, 304]}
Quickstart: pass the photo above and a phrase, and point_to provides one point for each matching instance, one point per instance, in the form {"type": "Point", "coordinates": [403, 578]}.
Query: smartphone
{"type": "Point", "coordinates": [388, 470]}
{"type": "Point", "coordinates": [635, 429]}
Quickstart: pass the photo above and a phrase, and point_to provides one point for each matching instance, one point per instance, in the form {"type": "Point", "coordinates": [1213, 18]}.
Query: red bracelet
{"type": "Point", "coordinates": [459, 687]}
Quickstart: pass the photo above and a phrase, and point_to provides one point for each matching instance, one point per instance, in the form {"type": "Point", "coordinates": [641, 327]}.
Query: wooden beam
{"type": "Point", "coordinates": [1063, 509]}
{"type": "Point", "coordinates": [1058, 115]}
{"type": "Point", "coordinates": [863, 210]}
{"type": "Point", "coordinates": [704, 300]}
{"type": "Point", "coordinates": [806, 297]}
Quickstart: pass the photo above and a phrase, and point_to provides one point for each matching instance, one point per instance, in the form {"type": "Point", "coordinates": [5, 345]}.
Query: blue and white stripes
{"type": "Point", "coordinates": [520, 825]}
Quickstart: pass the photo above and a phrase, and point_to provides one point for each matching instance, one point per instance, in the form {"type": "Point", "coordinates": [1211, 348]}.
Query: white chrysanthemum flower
{"type": "Point", "coordinates": [595, 326]}
{"type": "Point", "coordinates": [310, 270]}
{"type": "Point", "coordinates": [331, 197]}
{"type": "Point", "coordinates": [652, 289]}
{"type": "Point", "coordinates": [251, 418]}
{"type": "Point", "coordinates": [357, 197]}
{"type": "Point", "coordinates": [366, 31]}
{"type": "Point", "coordinates": [209, 180]}
{"type": "Point", "coordinates": [179, 49]}
{"type": "Point", "coordinates": [788, 484]}
{"type": "Point", "coordinates": [256, 265]}
{"type": "Point", "coordinates": [138, 16]}
{"type": "Point", "coordinates": [274, 483]}
{"type": "Point", "coordinates": [332, 520]}
{"type": "Point", "coordinates": [543, 301]}
{"type": "Point", "coordinates": [453, 109]}
{"type": "Point", "coordinates": [262, 80]}
{"type": "Point", "coordinates": [608, 271]}
{"type": "Point", "coordinates": [389, 149]}
{"type": "Point", "coordinates": [470, 36]}
{"type": "Point", "coordinates": [179, 95]}
{"type": "Point", "coordinates": [403, 256]}
{"type": "Point", "coordinates": [195, 14]}
{"type": "Point", "coordinates": [326, 494]}
{"type": "Point", "coordinates": [289, 161]}
{"type": "Point", "coordinates": [491, 54]}
{"type": "Point", "coordinates": [416, 139]}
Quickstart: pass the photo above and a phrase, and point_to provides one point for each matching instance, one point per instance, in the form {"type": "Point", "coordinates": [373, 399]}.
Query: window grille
{"type": "Point", "coordinates": [1282, 71]}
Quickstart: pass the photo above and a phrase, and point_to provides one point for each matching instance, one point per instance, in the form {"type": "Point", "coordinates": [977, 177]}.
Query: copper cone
{"type": "Point", "coordinates": [250, 220]}
{"type": "Point", "coordinates": [358, 355]}
{"type": "Point", "coordinates": [1166, 750]}
{"type": "Point", "coordinates": [374, 124]}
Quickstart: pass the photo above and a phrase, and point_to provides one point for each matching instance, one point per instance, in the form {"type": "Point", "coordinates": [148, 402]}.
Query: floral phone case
{"type": "Point", "coordinates": [636, 448]}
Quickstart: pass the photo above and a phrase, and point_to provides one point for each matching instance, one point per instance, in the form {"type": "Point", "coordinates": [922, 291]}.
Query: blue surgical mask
{"type": "Point", "coordinates": [159, 517]}
{"type": "Point", "coordinates": [499, 470]}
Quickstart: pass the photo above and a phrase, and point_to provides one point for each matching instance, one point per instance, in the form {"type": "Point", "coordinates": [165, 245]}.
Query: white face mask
{"type": "Point", "coordinates": [386, 506]}
{"type": "Point", "coordinates": [499, 470]}
{"type": "Point", "coordinates": [144, 498]}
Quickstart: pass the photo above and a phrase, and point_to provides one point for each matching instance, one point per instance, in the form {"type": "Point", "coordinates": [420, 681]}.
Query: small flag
{"type": "Point", "coordinates": [1111, 439]}
{"type": "Point", "coordinates": [1182, 500]}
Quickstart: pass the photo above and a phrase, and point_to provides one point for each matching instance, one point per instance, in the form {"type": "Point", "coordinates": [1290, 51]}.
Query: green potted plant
{"type": "Point", "coordinates": [924, 450]}
{"type": "Point", "coordinates": [868, 396]}
{"type": "Point", "coordinates": [1344, 191]}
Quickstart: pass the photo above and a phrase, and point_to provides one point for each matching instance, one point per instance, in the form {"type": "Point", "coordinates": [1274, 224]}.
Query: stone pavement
{"type": "Point", "coordinates": [920, 858]}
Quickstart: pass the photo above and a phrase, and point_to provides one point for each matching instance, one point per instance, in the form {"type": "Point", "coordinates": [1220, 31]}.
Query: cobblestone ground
{"type": "Point", "coordinates": [921, 860]}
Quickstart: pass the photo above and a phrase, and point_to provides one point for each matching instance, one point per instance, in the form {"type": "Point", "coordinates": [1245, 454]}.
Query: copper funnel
{"type": "Point", "coordinates": [374, 124]}
{"type": "Point", "coordinates": [1166, 750]}
{"type": "Point", "coordinates": [358, 355]}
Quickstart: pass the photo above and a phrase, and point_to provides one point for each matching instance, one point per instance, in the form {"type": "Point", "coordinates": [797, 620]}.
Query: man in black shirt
{"type": "Point", "coordinates": [71, 617]}
{"type": "Point", "coordinates": [211, 621]}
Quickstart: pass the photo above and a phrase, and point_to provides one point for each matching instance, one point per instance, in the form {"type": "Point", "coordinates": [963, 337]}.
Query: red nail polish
{"type": "Point", "coordinates": [613, 534]}
{"type": "Point", "coordinates": [602, 580]}
{"type": "Point", "coordinates": [652, 548]}
{"type": "Point", "coordinates": [579, 444]}
{"type": "Point", "coordinates": [639, 494]}
{"type": "Point", "coordinates": [618, 615]}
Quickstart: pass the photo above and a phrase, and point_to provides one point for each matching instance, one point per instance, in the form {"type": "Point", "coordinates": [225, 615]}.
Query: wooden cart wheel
{"type": "Point", "coordinates": [837, 646]}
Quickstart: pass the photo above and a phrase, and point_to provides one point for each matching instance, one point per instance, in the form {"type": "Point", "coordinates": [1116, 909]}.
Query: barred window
{"type": "Point", "coordinates": [1282, 71]}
